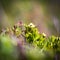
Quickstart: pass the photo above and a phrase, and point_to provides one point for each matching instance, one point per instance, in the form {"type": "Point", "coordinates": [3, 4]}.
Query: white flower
{"type": "Point", "coordinates": [31, 25]}
{"type": "Point", "coordinates": [44, 34]}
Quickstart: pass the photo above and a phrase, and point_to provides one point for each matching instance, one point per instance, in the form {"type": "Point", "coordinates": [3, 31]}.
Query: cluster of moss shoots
{"type": "Point", "coordinates": [32, 37]}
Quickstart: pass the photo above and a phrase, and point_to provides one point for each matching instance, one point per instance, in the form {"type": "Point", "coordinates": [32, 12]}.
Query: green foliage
{"type": "Point", "coordinates": [34, 38]}
{"type": "Point", "coordinates": [31, 34]}
{"type": "Point", "coordinates": [53, 43]}
{"type": "Point", "coordinates": [48, 45]}
{"type": "Point", "coordinates": [44, 45]}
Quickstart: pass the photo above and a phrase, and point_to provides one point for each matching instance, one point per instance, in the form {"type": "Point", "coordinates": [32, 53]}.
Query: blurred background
{"type": "Point", "coordinates": [45, 14]}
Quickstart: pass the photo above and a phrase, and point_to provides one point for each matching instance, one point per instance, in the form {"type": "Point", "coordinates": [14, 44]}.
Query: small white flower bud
{"type": "Point", "coordinates": [31, 25]}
